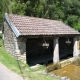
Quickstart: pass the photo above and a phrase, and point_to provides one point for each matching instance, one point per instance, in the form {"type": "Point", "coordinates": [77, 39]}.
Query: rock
{"type": "Point", "coordinates": [68, 79]}
{"type": "Point", "coordinates": [53, 75]}
{"type": "Point", "coordinates": [64, 78]}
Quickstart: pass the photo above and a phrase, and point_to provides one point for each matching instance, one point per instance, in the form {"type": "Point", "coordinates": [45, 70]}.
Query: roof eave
{"type": "Point", "coordinates": [15, 30]}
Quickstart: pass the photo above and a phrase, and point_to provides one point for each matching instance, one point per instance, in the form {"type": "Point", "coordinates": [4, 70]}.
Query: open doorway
{"type": "Point", "coordinates": [39, 50]}
{"type": "Point", "coordinates": [65, 47]}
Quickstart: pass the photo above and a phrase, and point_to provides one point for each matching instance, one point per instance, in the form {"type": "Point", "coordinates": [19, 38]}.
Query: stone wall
{"type": "Point", "coordinates": [20, 49]}
{"type": "Point", "coordinates": [8, 39]}
{"type": "Point", "coordinates": [13, 45]}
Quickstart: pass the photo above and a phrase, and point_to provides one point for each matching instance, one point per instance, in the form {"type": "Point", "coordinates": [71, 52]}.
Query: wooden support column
{"type": "Point", "coordinates": [75, 47]}
{"type": "Point", "coordinates": [56, 50]}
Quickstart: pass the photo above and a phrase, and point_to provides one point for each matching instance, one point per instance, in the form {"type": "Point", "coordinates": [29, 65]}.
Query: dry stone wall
{"type": "Point", "coordinates": [20, 49]}
{"type": "Point", "coordinates": [13, 45]}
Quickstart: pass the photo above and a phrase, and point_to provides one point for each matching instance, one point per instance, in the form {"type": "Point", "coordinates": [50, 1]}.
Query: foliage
{"type": "Point", "coordinates": [67, 11]}
{"type": "Point", "coordinates": [77, 25]}
{"type": "Point", "coordinates": [0, 36]}
{"type": "Point", "coordinates": [1, 44]}
{"type": "Point", "coordinates": [1, 13]}
{"type": "Point", "coordinates": [18, 8]}
{"type": "Point", "coordinates": [54, 67]}
{"type": "Point", "coordinates": [11, 6]}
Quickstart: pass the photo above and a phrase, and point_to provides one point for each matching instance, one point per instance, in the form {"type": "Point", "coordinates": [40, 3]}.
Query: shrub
{"type": "Point", "coordinates": [1, 44]}
{"type": "Point", "coordinates": [0, 36]}
{"type": "Point", "coordinates": [54, 67]}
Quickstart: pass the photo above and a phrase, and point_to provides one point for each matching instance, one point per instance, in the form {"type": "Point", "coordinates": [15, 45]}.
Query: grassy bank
{"type": "Point", "coordinates": [7, 59]}
{"type": "Point", "coordinates": [23, 69]}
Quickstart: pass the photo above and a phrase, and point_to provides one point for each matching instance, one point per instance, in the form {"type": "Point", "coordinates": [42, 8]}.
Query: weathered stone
{"type": "Point", "coordinates": [53, 75]}
{"type": "Point", "coordinates": [13, 45]}
{"type": "Point", "coordinates": [64, 78]}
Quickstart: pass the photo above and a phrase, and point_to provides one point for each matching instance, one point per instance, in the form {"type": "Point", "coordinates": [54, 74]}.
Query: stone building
{"type": "Point", "coordinates": [35, 40]}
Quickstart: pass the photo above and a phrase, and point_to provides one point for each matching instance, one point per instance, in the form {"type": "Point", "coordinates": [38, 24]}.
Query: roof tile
{"type": "Point", "coordinates": [38, 26]}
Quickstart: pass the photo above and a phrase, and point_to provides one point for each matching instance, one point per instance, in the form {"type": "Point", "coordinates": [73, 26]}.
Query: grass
{"type": "Point", "coordinates": [21, 68]}
{"type": "Point", "coordinates": [41, 77]}
{"type": "Point", "coordinates": [8, 60]}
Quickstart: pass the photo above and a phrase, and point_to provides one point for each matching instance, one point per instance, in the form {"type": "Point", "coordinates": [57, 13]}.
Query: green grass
{"type": "Point", "coordinates": [41, 77]}
{"type": "Point", "coordinates": [8, 60]}
{"type": "Point", "coordinates": [21, 68]}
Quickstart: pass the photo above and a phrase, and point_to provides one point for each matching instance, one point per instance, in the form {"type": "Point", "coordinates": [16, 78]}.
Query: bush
{"type": "Point", "coordinates": [54, 67]}
{"type": "Point", "coordinates": [1, 44]}
{"type": "Point", "coordinates": [0, 36]}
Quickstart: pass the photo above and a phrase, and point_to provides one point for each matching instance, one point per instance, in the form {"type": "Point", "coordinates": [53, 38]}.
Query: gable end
{"type": "Point", "coordinates": [14, 29]}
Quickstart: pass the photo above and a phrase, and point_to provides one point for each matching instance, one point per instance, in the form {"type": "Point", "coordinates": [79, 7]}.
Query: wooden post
{"type": "Point", "coordinates": [75, 48]}
{"type": "Point", "coordinates": [56, 50]}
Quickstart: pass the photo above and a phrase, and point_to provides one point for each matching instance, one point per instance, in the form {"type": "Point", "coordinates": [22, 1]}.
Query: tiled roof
{"type": "Point", "coordinates": [38, 26]}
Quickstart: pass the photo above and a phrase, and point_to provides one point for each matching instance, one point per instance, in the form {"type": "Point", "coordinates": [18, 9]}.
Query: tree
{"type": "Point", "coordinates": [11, 6]}
{"type": "Point", "coordinates": [72, 12]}
{"type": "Point", "coordinates": [18, 7]}
{"type": "Point", "coordinates": [64, 10]}
{"type": "Point", "coordinates": [1, 13]}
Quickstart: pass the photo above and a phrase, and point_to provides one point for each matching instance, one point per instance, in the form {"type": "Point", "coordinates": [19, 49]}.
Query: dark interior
{"type": "Point", "coordinates": [39, 54]}
{"type": "Point", "coordinates": [36, 53]}
{"type": "Point", "coordinates": [65, 47]}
